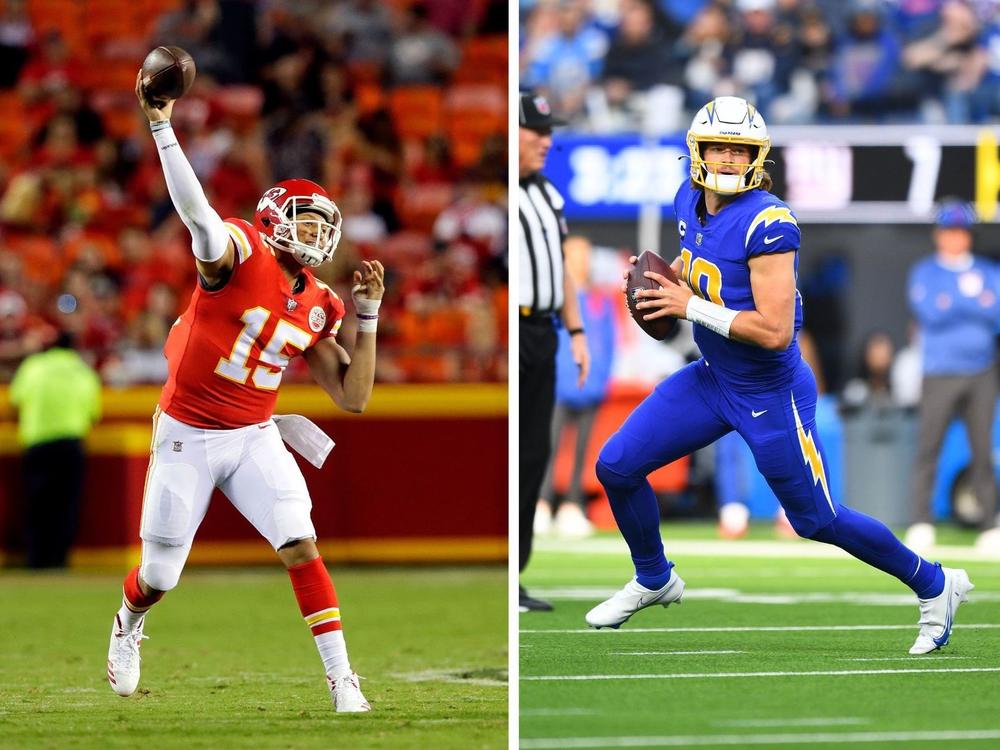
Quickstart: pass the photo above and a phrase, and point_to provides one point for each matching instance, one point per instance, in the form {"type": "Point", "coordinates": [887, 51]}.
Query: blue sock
{"type": "Point", "coordinates": [871, 541]}
{"type": "Point", "coordinates": [638, 516]}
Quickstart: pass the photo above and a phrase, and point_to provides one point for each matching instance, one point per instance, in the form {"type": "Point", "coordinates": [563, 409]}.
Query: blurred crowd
{"type": "Point", "coordinates": [398, 108]}
{"type": "Point", "coordinates": [609, 64]}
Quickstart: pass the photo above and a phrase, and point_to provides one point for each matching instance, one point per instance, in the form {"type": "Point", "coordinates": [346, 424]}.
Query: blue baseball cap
{"type": "Point", "coordinates": [955, 215]}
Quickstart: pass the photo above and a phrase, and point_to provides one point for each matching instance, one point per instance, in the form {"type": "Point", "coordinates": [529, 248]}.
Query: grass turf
{"type": "Point", "coordinates": [230, 664]}
{"type": "Point", "coordinates": [744, 591]}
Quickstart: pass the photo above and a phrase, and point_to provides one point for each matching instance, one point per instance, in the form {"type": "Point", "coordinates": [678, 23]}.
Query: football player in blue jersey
{"type": "Point", "coordinates": [737, 269]}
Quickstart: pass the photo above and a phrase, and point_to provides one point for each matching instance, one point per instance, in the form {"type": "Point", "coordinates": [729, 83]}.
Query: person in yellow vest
{"type": "Point", "coordinates": [58, 399]}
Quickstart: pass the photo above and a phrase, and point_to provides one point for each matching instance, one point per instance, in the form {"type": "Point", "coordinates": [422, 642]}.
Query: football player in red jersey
{"type": "Point", "coordinates": [256, 305]}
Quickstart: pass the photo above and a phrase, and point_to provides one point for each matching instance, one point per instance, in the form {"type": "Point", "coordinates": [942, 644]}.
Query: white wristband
{"type": "Point", "coordinates": [367, 311]}
{"type": "Point", "coordinates": [714, 317]}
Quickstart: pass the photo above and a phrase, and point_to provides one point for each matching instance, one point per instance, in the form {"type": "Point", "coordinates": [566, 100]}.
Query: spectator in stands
{"type": "Point", "coordinates": [16, 37]}
{"type": "Point", "coordinates": [20, 335]}
{"type": "Point", "coordinates": [763, 55]}
{"type": "Point", "coordinates": [864, 67]}
{"type": "Point", "coordinates": [316, 69]}
{"type": "Point", "coordinates": [642, 54]}
{"type": "Point", "coordinates": [947, 60]}
{"type": "Point", "coordinates": [220, 36]}
{"type": "Point", "coordinates": [986, 97]}
{"type": "Point", "coordinates": [49, 69]}
{"type": "Point", "coordinates": [954, 297]}
{"type": "Point", "coordinates": [58, 399]}
{"type": "Point", "coordinates": [577, 407]}
{"type": "Point", "coordinates": [871, 389]}
{"type": "Point", "coordinates": [704, 46]}
{"type": "Point", "coordinates": [420, 53]}
{"type": "Point", "coordinates": [568, 61]}
{"type": "Point", "coordinates": [365, 26]}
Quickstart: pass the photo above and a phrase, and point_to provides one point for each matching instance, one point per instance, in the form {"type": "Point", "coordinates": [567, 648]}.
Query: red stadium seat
{"type": "Point", "coordinates": [484, 59]}
{"type": "Point", "coordinates": [420, 205]}
{"type": "Point", "coordinates": [416, 110]}
{"type": "Point", "coordinates": [42, 261]}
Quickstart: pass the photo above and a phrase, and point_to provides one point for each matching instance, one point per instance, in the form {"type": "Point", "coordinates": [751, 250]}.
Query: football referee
{"type": "Point", "coordinates": [546, 294]}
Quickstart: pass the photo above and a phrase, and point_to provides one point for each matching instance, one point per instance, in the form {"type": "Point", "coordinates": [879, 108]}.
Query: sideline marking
{"type": "Point", "coordinates": [757, 629]}
{"type": "Point", "coordinates": [669, 653]}
{"type": "Point", "coordinates": [718, 675]}
{"type": "Point", "coordinates": [838, 738]}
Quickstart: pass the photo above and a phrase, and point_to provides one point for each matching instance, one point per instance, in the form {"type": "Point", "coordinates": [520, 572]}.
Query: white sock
{"type": "Point", "coordinates": [333, 652]}
{"type": "Point", "coordinates": [128, 619]}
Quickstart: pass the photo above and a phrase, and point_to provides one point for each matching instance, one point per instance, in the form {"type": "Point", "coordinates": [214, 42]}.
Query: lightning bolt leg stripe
{"type": "Point", "coordinates": [811, 456]}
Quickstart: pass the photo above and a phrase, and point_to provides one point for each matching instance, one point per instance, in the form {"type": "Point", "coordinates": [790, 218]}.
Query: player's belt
{"type": "Point", "coordinates": [536, 317]}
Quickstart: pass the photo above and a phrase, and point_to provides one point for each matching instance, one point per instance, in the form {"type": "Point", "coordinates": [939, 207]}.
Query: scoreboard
{"type": "Point", "coordinates": [875, 174]}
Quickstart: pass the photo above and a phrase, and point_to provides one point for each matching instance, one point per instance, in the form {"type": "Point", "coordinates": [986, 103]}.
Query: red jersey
{"type": "Point", "coordinates": [227, 352]}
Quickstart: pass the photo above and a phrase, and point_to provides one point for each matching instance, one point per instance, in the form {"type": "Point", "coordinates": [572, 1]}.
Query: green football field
{"type": "Point", "coordinates": [231, 664]}
{"type": "Point", "coordinates": [777, 643]}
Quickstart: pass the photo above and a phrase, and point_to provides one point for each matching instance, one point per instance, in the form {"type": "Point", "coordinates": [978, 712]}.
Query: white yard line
{"type": "Point", "coordinates": [924, 657]}
{"type": "Point", "coordinates": [670, 653]}
{"type": "Point", "coordinates": [816, 721]}
{"type": "Point", "coordinates": [530, 712]}
{"type": "Point", "coordinates": [750, 629]}
{"type": "Point", "coordinates": [741, 548]}
{"type": "Point", "coordinates": [728, 675]}
{"type": "Point", "coordinates": [742, 740]}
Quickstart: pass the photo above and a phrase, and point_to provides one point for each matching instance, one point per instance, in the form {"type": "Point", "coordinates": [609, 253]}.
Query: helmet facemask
{"type": "Point", "coordinates": [748, 177]}
{"type": "Point", "coordinates": [312, 240]}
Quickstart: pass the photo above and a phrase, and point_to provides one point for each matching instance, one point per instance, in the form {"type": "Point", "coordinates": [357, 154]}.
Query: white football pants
{"type": "Point", "coordinates": [252, 467]}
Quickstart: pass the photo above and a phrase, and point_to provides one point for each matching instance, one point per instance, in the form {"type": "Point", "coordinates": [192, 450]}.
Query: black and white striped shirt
{"type": "Point", "coordinates": [543, 230]}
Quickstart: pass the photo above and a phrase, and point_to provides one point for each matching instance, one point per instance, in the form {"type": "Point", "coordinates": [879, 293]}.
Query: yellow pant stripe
{"type": "Point", "coordinates": [324, 615]}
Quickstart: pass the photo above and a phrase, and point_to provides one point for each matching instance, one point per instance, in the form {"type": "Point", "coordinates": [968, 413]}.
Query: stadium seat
{"type": "Point", "coordinates": [420, 205]}
{"type": "Point", "coordinates": [474, 111]}
{"type": "Point", "coordinates": [369, 97]}
{"type": "Point", "coordinates": [42, 261]}
{"type": "Point", "coordinates": [416, 110]}
{"type": "Point", "coordinates": [484, 59]}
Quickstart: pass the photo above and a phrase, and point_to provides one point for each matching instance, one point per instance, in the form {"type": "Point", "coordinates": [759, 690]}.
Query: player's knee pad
{"type": "Point", "coordinates": [162, 565]}
{"type": "Point", "coordinates": [168, 504]}
{"type": "Point", "coordinates": [610, 478]}
{"type": "Point", "coordinates": [807, 529]}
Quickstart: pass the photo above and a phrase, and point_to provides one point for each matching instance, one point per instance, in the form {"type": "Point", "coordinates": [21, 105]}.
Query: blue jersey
{"type": "Point", "coordinates": [715, 258]}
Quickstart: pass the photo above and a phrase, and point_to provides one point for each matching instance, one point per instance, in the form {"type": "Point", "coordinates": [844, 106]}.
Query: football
{"type": "Point", "coordinates": [167, 73]}
{"type": "Point", "coordinates": [660, 328]}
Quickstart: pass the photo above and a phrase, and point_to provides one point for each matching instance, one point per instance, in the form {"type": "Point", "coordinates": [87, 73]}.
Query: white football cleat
{"type": "Point", "coordinates": [123, 657]}
{"type": "Point", "coordinates": [346, 694]}
{"type": "Point", "coordinates": [614, 612]}
{"type": "Point", "coordinates": [938, 614]}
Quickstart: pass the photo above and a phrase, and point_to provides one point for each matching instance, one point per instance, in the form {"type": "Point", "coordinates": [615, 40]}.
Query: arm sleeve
{"type": "Point", "coordinates": [208, 233]}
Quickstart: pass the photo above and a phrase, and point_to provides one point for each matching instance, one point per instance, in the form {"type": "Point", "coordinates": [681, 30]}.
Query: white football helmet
{"type": "Point", "coordinates": [728, 119]}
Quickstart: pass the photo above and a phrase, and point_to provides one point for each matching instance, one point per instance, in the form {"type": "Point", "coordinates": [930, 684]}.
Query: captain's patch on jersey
{"type": "Point", "coordinates": [317, 319]}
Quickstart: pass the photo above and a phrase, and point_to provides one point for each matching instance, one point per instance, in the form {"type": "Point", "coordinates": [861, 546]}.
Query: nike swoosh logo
{"type": "Point", "coordinates": [756, 414]}
{"type": "Point", "coordinates": [769, 240]}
